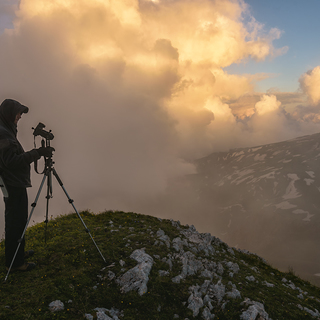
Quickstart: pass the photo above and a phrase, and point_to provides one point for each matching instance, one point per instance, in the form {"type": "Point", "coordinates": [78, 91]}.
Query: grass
{"type": "Point", "coordinates": [70, 269]}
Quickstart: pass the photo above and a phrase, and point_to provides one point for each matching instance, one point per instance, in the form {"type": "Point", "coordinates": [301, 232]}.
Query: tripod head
{"type": "Point", "coordinates": [47, 136]}
{"type": "Point", "coordinates": [38, 131]}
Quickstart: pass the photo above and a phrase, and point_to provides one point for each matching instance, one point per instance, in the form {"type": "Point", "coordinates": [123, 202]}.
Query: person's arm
{"type": "Point", "coordinates": [12, 157]}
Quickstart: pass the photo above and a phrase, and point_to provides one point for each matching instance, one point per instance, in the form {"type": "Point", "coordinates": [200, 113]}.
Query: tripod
{"type": "Point", "coordinates": [48, 171]}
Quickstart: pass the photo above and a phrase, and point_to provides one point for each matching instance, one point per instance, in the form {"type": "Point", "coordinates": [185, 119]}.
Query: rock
{"type": "Point", "coordinates": [88, 316]}
{"type": "Point", "coordinates": [178, 244]}
{"type": "Point", "coordinates": [218, 291]}
{"type": "Point", "coordinates": [206, 314]}
{"type": "Point", "coordinates": [234, 267]}
{"type": "Point", "coordinates": [256, 309]}
{"type": "Point", "coordinates": [200, 241]}
{"type": "Point", "coordinates": [190, 266]}
{"type": "Point", "coordinates": [251, 278]}
{"type": "Point", "coordinates": [220, 269]}
{"type": "Point", "coordinates": [137, 277]}
{"type": "Point", "coordinates": [163, 273]}
{"type": "Point", "coordinates": [269, 285]}
{"type": "Point", "coordinates": [207, 274]}
{"type": "Point", "coordinates": [163, 237]}
{"type": "Point", "coordinates": [111, 275]}
{"type": "Point", "coordinates": [56, 306]}
{"type": "Point", "coordinates": [175, 223]}
{"type": "Point", "coordinates": [314, 314]}
{"type": "Point", "coordinates": [234, 294]}
{"type": "Point", "coordinates": [102, 314]}
{"type": "Point", "coordinates": [195, 301]}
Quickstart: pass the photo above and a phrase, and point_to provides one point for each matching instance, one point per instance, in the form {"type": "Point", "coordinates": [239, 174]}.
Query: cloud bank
{"type": "Point", "coordinates": [135, 90]}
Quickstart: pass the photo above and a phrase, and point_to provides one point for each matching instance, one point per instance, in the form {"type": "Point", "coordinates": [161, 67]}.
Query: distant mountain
{"type": "Point", "coordinates": [155, 269]}
{"type": "Point", "coordinates": [266, 199]}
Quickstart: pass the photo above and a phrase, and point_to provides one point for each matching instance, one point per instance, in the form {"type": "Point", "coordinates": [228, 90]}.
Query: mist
{"type": "Point", "coordinates": [134, 91]}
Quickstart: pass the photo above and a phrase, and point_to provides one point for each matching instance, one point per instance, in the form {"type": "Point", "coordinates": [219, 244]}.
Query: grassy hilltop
{"type": "Point", "coordinates": [192, 275]}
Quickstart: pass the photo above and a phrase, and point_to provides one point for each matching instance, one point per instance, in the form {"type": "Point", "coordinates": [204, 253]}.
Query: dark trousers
{"type": "Point", "coordinates": [16, 216]}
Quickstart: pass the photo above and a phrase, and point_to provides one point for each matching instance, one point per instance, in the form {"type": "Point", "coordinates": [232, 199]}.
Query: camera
{"type": "Point", "coordinates": [38, 131]}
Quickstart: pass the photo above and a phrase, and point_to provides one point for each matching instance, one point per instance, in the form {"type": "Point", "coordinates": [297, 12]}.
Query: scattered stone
{"type": "Point", "coordinates": [178, 244]}
{"type": "Point", "coordinates": [111, 275]}
{"type": "Point", "coordinates": [56, 306]}
{"type": "Point", "coordinates": [137, 277]}
{"type": "Point", "coordinates": [190, 266]}
{"type": "Point", "coordinates": [255, 311]}
{"type": "Point", "coordinates": [314, 314]}
{"type": "Point", "coordinates": [234, 267]}
{"type": "Point", "coordinates": [195, 301]}
{"type": "Point", "coordinates": [220, 269]}
{"type": "Point", "coordinates": [163, 237]}
{"type": "Point", "coordinates": [207, 274]}
{"type": "Point", "coordinates": [207, 315]}
{"type": "Point", "coordinates": [163, 273]}
{"type": "Point", "coordinates": [234, 294]}
{"type": "Point", "coordinates": [218, 291]}
{"type": "Point", "coordinates": [269, 285]}
{"type": "Point", "coordinates": [103, 316]}
{"type": "Point", "coordinates": [106, 314]}
{"type": "Point", "coordinates": [251, 278]}
{"type": "Point", "coordinates": [255, 269]}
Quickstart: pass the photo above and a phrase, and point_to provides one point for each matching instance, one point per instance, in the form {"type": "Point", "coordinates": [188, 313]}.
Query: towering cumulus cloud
{"type": "Point", "coordinates": [134, 90]}
{"type": "Point", "coordinates": [310, 83]}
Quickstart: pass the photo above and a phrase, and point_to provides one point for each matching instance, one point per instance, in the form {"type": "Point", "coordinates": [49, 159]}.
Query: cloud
{"type": "Point", "coordinates": [7, 13]}
{"type": "Point", "coordinates": [268, 103]}
{"type": "Point", "coordinates": [310, 82]}
{"type": "Point", "coordinates": [135, 90]}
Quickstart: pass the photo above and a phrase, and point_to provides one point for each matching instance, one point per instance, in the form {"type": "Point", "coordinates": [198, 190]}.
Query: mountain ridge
{"type": "Point", "coordinates": [258, 197]}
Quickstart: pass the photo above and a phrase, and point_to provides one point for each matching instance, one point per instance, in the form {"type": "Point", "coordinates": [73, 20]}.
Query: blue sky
{"type": "Point", "coordinates": [300, 23]}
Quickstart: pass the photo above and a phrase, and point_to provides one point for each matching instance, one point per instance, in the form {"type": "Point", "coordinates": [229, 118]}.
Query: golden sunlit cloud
{"type": "Point", "coordinates": [267, 104]}
{"type": "Point", "coordinates": [310, 83]}
{"type": "Point", "coordinates": [142, 83]}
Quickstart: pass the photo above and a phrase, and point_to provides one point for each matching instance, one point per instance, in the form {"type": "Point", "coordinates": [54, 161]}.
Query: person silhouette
{"type": "Point", "coordinates": [15, 176]}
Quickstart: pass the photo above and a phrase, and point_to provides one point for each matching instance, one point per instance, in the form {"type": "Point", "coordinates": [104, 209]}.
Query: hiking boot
{"type": "Point", "coordinates": [28, 254]}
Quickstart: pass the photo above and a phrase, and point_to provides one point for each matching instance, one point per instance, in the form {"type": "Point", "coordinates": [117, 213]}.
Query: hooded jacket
{"type": "Point", "coordinates": [14, 162]}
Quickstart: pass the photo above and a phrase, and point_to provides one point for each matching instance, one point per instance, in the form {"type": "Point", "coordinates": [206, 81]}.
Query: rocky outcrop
{"type": "Point", "coordinates": [137, 277]}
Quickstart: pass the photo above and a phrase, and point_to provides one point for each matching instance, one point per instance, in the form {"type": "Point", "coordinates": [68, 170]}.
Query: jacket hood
{"type": "Point", "coordinates": [9, 108]}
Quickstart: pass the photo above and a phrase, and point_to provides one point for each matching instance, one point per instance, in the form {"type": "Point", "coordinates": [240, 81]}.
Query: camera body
{"type": "Point", "coordinates": [39, 131]}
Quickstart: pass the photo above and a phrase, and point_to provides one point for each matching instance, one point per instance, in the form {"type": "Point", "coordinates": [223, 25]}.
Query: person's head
{"type": "Point", "coordinates": [10, 113]}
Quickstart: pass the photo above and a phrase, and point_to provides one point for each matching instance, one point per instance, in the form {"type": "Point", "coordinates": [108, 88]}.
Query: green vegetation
{"type": "Point", "coordinates": [70, 269]}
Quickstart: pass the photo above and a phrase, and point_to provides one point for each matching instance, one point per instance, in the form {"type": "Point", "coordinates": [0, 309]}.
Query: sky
{"type": "Point", "coordinates": [135, 90]}
{"type": "Point", "coordinates": [299, 25]}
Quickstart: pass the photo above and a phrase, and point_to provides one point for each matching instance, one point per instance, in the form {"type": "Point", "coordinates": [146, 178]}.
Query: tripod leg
{"type": "Point", "coordinates": [48, 197]}
{"type": "Point", "coordinates": [33, 205]}
{"type": "Point", "coordinates": [75, 209]}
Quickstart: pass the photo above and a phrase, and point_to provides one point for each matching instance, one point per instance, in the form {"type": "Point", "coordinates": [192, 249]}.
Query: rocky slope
{"type": "Point", "coordinates": [266, 199]}
{"type": "Point", "coordinates": [157, 269]}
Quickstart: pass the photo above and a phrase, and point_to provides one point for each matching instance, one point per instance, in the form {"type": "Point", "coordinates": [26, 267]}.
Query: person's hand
{"type": "Point", "coordinates": [45, 151]}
